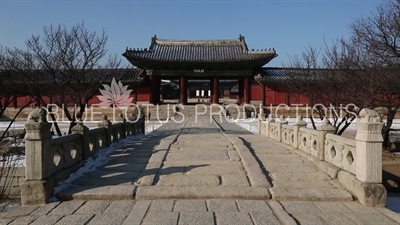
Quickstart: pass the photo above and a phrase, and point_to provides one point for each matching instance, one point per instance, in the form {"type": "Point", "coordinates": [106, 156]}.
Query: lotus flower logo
{"type": "Point", "coordinates": [116, 95]}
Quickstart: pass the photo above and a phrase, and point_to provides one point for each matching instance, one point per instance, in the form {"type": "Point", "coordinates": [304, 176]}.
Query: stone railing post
{"type": "Point", "coordinates": [325, 128]}
{"type": "Point", "coordinates": [106, 124]}
{"type": "Point", "coordinates": [260, 118]}
{"type": "Point", "coordinates": [280, 122]}
{"type": "Point", "coordinates": [269, 120]}
{"type": "Point", "coordinates": [36, 190]}
{"type": "Point", "coordinates": [296, 128]}
{"type": "Point", "coordinates": [121, 119]}
{"type": "Point", "coordinates": [369, 147]}
{"type": "Point", "coordinates": [79, 128]}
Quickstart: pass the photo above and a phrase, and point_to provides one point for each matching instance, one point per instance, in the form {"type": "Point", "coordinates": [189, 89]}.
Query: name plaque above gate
{"type": "Point", "coordinates": [198, 71]}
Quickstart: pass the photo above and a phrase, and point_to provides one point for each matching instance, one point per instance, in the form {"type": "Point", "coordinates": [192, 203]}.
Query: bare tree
{"type": "Point", "coordinates": [312, 76]}
{"type": "Point", "coordinates": [370, 58]}
{"type": "Point", "coordinates": [68, 60]}
{"type": "Point", "coordinates": [12, 85]}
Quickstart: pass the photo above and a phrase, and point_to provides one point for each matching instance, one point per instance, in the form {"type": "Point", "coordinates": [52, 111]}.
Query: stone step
{"type": "Point", "coordinates": [310, 194]}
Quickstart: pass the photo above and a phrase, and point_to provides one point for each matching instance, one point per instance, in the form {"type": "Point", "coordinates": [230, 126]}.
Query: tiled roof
{"type": "Point", "coordinates": [199, 51]}
{"type": "Point", "coordinates": [133, 75]}
{"type": "Point", "coordinates": [124, 75]}
{"type": "Point", "coordinates": [281, 75]}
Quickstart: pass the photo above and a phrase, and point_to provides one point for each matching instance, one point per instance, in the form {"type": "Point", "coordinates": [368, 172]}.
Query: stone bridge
{"type": "Point", "coordinates": [207, 170]}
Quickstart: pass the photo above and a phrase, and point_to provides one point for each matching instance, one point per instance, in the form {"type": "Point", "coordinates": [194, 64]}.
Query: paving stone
{"type": "Point", "coordinates": [138, 212]}
{"type": "Point", "coordinates": [310, 219]}
{"type": "Point", "coordinates": [120, 207]}
{"type": "Point", "coordinates": [169, 170]}
{"type": "Point", "coordinates": [102, 181]}
{"type": "Point", "coordinates": [189, 180]}
{"type": "Point", "coordinates": [67, 208]}
{"type": "Point", "coordinates": [162, 205]}
{"type": "Point", "coordinates": [166, 218]}
{"type": "Point", "coordinates": [332, 207]}
{"type": "Point", "coordinates": [193, 162]}
{"type": "Point", "coordinates": [216, 170]}
{"type": "Point", "coordinates": [370, 218]}
{"type": "Point", "coordinates": [277, 158]}
{"type": "Point", "coordinates": [93, 207]}
{"type": "Point", "coordinates": [74, 219]}
{"type": "Point", "coordinates": [122, 167]}
{"type": "Point", "coordinates": [231, 218]}
{"type": "Point", "coordinates": [302, 184]}
{"type": "Point", "coordinates": [6, 221]}
{"type": "Point", "coordinates": [210, 192]}
{"type": "Point", "coordinates": [290, 167]}
{"type": "Point", "coordinates": [113, 174]}
{"type": "Point", "coordinates": [235, 180]}
{"type": "Point", "coordinates": [358, 208]}
{"type": "Point", "coordinates": [104, 219]}
{"type": "Point", "coordinates": [316, 176]}
{"type": "Point", "coordinates": [253, 206]}
{"type": "Point", "coordinates": [110, 192]}
{"type": "Point", "coordinates": [20, 211]}
{"type": "Point", "coordinates": [311, 194]}
{"type": "Point", "coordinates": [23, 220]}
{"type": "Point", "coordinates": [44, 210]}
{"type": "Point", "coordinates": [336, 218]}
{"type": "Point", "coordinates": [281, 214]}
{"type": "Point", "coordinates": [217, 205]}
{"type": "Point", "coordinates": [256, 176]}
{"type": "Point", "coordinates": [49, 219]}
{"type": "Point", "coordinates": [264, 218]}
{"type": "Point", "coordinates": [207, 155]}
{"type": "Point", "coordinates": [196, 218]}
{"type": "Point", "coordinates": [190, 205]}
{"type": "Point", "coordinates": [300, 207]}
{"type": "Point", "coordinates": [233, 155]}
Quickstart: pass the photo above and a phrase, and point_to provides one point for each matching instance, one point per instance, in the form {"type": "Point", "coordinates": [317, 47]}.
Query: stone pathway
{"type": "Point", "coordinates": [203, 172]}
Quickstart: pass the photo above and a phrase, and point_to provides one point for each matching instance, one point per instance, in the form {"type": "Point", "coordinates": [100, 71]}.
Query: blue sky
{"type": "Point", "coordinates": [287, 26]}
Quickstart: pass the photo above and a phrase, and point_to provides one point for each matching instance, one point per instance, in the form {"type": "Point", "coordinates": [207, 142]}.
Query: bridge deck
{"type": "Point", "coordinates": [204, 172]}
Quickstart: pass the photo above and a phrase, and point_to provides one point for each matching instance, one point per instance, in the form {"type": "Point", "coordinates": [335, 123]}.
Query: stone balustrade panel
{"type": "Point", "coordinates": [273, 132]}
{"type": "Point", "coordinates": [308, 141]}
{"type": "Point", "coordinates": [65, 152]}
{"type": "Point", "coordinates": [287, 134]}
{"type": "Point", "coordinates": [341, 152]}
{"type": "Point", "coordinates": [263, 128]}
{"type": "Point", "coordinates": [116, 132]}
{"type": "Point", "coordinates": [97, 140]}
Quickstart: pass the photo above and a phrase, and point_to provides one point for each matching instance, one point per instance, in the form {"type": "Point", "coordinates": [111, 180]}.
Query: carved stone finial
{"type": "Point", "coordinates": [38, 115]}
{"type": "Point", "coordinates": [300, 121]}
{"type": "Point", "coordinates": [369, 116]}
{"type": "Point", "coordinates": [270, 118]}
{"type": "Point", "coordinates": [104, 122]}
{"type": "Point", "coordinates": [326, 125]}
{"type": "Point", "coordinates": [121, 117]}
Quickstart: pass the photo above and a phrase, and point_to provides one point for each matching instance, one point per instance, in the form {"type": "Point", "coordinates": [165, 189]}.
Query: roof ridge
{"type": "Point", "coordinates": [197, 42]}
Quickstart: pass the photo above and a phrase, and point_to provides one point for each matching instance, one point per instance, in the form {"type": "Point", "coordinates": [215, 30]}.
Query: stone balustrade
{"type": "Point", "coordinates": [49, 161]}
{"type": "Point", "coordinates": [357, 164]}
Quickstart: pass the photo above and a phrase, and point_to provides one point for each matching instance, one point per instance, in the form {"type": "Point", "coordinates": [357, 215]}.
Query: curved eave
{"type": "Point", "coordinates": [149, 63]}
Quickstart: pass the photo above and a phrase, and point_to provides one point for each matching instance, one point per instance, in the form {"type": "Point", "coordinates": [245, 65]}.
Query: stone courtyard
{"type": "Point", "coordinates": [204, 171]}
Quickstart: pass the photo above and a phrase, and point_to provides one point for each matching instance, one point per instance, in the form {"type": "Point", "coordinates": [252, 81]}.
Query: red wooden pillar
{"type": "Point", "coordinates": [241, 90]}
{"type": "Point", "coordinates": [156, 95]}
{"type": "Point", "coordinates": [246, 93]}
{"type": "Point", "coordinates": [152, 87]}
{"type": "Point", "coordinates": [211, 88]}
{"type": "Point", "coordinates": [215, 90]}
{"type": "Point", "coordinates": [135, 94]}
{"type": "Point", "coordinates": [183, 90]}
{"type": "Point", "coordinates": [263, 95]}
{"type": "Point", "coordinates": [15, 102]}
